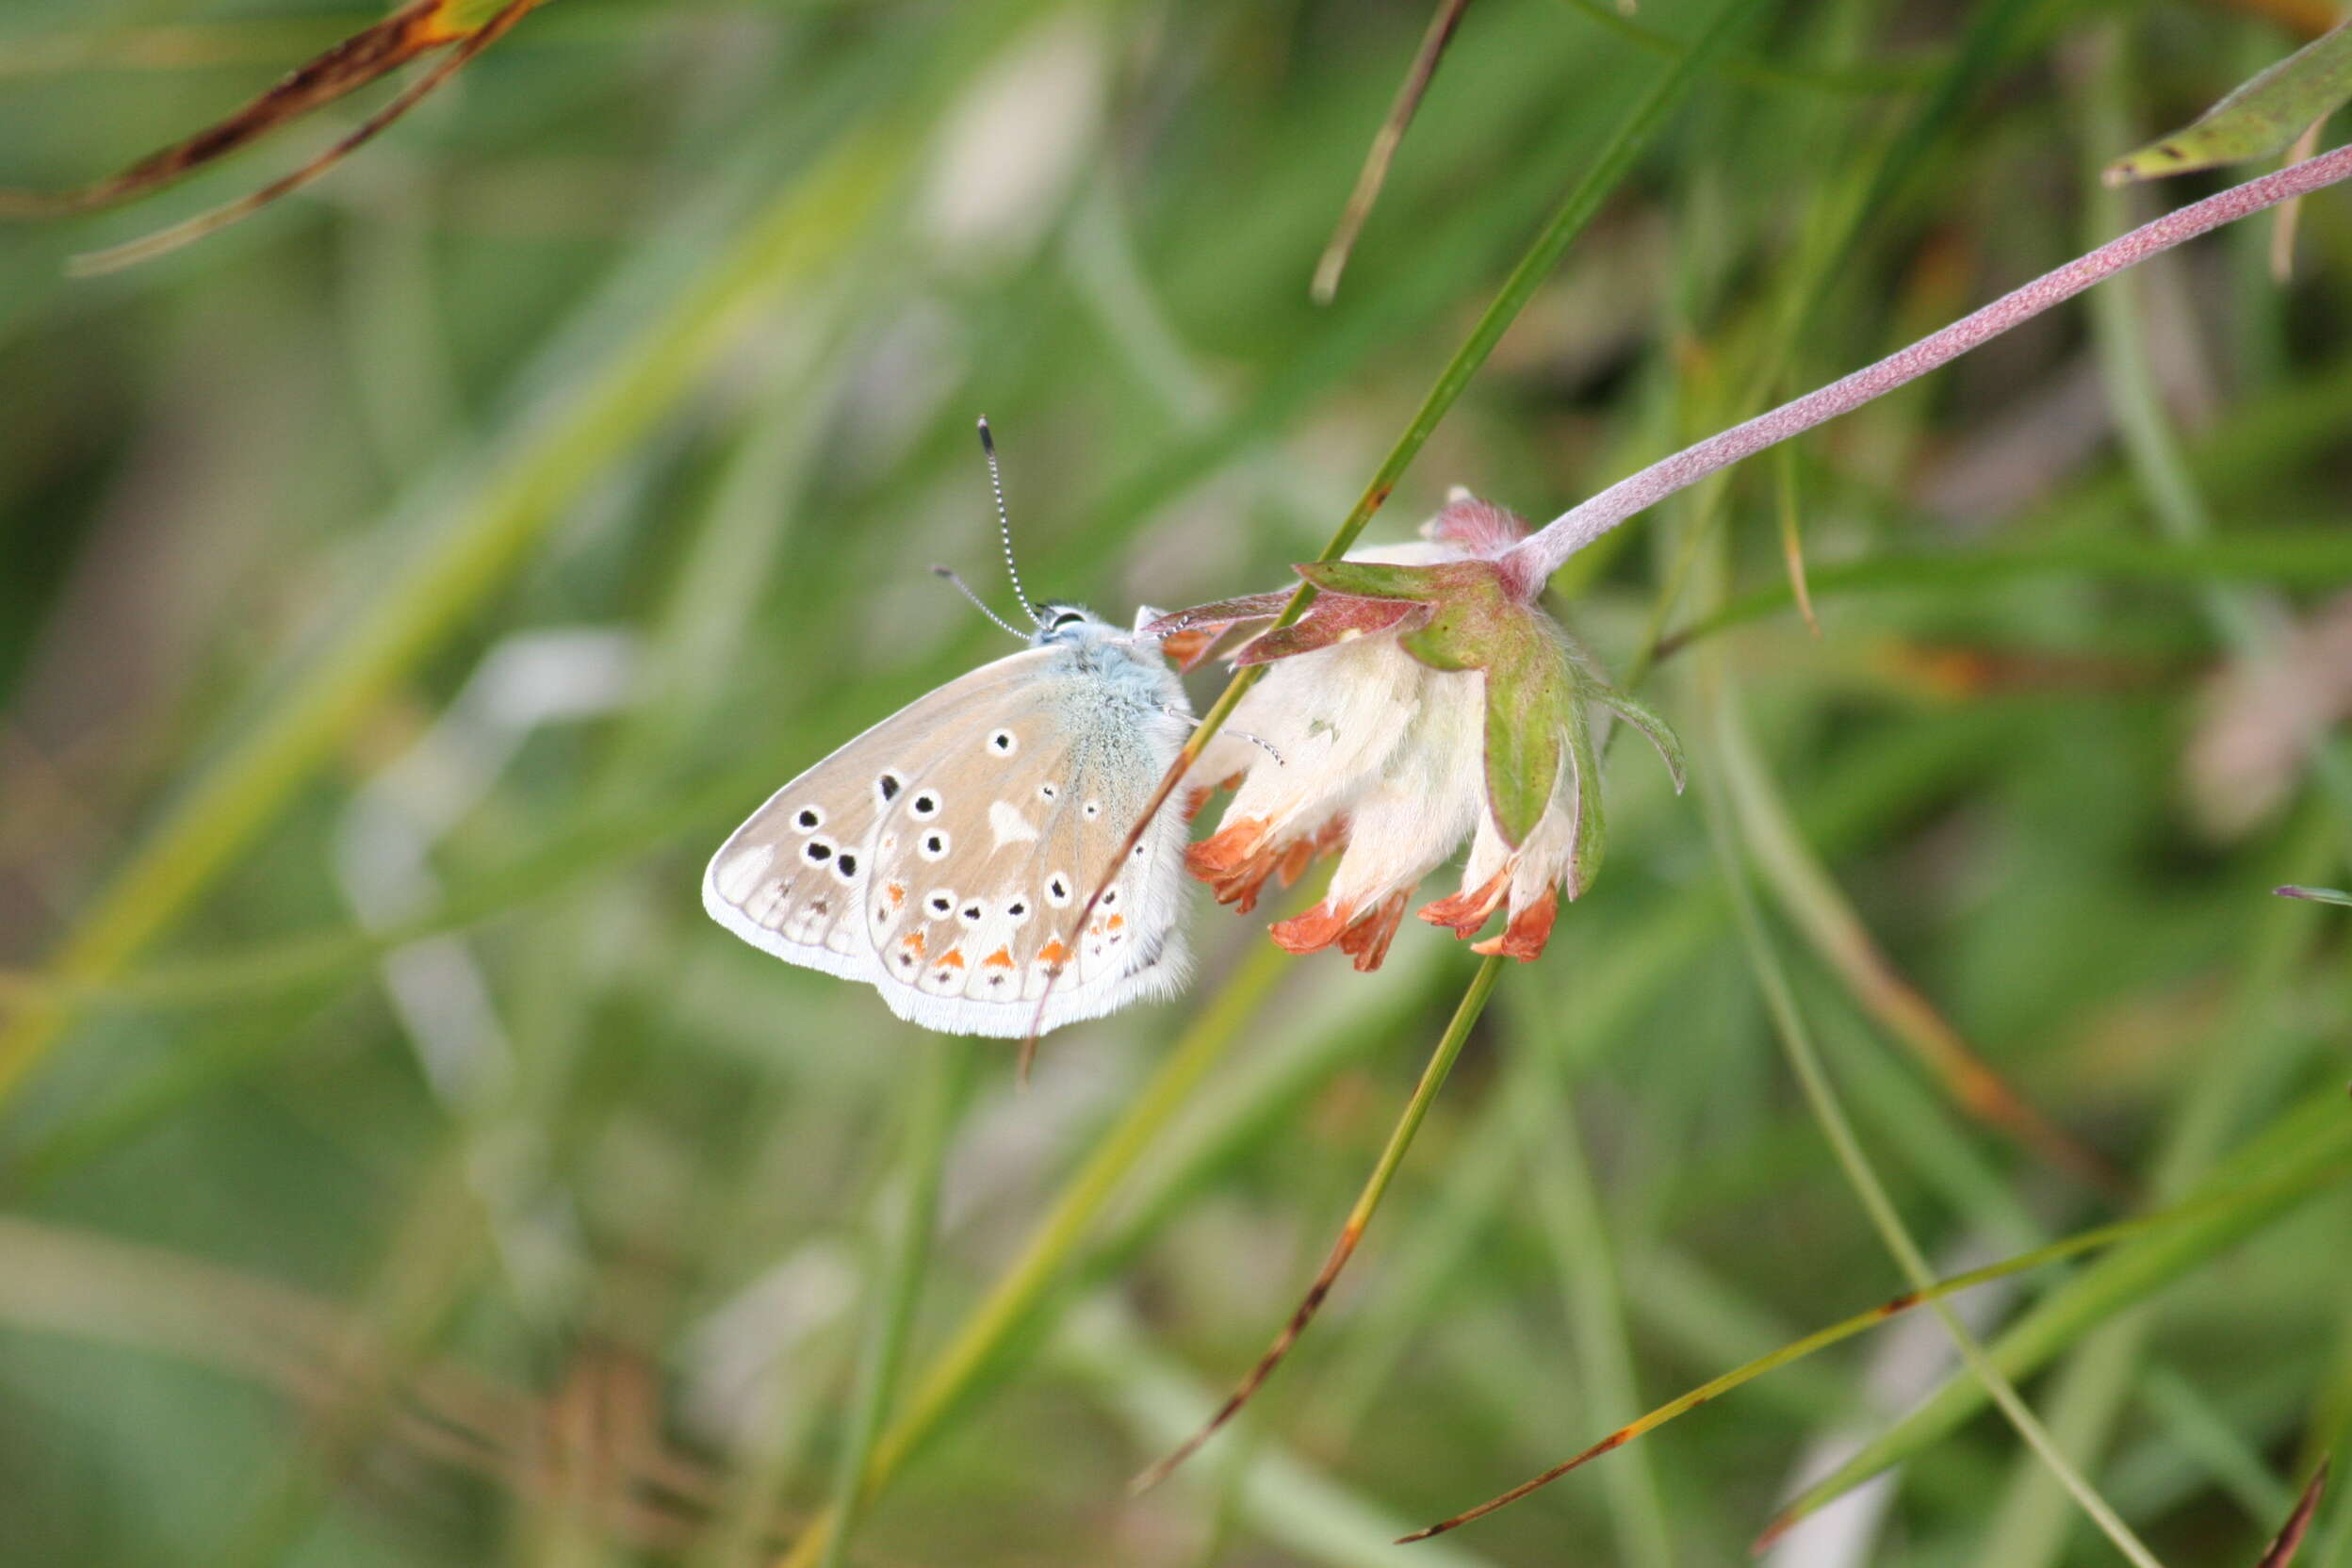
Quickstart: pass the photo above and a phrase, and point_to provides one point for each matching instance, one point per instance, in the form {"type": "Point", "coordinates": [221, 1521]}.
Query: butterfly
{"type": "Point", "coordinates": [945, 856]}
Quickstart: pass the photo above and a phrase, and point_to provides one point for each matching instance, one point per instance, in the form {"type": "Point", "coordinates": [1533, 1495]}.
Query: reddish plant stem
{"type": "Point", "coordinates": [1590, 519]}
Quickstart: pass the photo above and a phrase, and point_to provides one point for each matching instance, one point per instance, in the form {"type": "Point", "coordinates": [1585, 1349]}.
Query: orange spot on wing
{"type": "Point", "coordinates": [1117, 921]}
{"type": "Point", "coordinates": [1001, 958]}
{"type": "Point", "coordinates": [898, 893]}
{"type": "Point", "coordinates": [914, 944]}
{"type": "Point", "coordinates": [953, 957]}
{"type": "Point", "coordinates": [1052, 953]}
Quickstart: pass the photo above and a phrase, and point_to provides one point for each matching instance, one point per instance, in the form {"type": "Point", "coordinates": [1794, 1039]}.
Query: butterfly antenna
{"type": "Point", "coordinates": [978, 603]}
{"type": "Point", "coordinates": [1004, 519]}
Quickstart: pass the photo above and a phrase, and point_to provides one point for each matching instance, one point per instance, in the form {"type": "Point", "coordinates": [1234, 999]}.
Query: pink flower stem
{"type": "Point", "coordinates": [1587, 521]}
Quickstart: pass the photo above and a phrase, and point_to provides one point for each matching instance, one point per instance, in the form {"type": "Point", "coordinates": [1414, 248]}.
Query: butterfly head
{"type": "Point", "coordinates": [1059, 623]}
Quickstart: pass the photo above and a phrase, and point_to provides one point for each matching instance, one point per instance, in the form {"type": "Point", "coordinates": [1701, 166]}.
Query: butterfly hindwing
{"type": "Point", "coordinates": [993, 853]}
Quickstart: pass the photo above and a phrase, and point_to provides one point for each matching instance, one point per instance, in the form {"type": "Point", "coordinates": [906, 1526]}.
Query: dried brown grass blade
{"type": "Point", "coordinates": [2291, 1534]}
{"type": "Point", "coordinates": [2291, 212]}
{"type": "Point", "coordinates": [164, 240]}
{"type": "Point", "coordinates": [414, 29]}
{"type": "Point", "coordinates": [1385, 143]}
{"type": "Point", "coordinates": [1308, 1306]}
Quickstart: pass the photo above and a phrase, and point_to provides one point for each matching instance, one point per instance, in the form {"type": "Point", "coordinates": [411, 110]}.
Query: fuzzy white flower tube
{"type": "Point", "coordinates": [1378, 757]}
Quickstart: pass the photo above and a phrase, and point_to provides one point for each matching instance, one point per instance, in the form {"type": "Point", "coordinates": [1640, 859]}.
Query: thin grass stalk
{"type": "Point", "coordinates": [947, 1074]}
{"type": "Point", "coordinates": [2219, 1205]}
{"type": "Point", "coordinates": [1383, 151]}
{"type": "Point", "coordinates": [1809, 893]}
{"type": "Point", "coordinates": [2286, 1158]}
{"type": "Point", "coordinates": [1571, 1210]}
{"type": "Point", "coordinates": [1368, 1202]}
{"type": "Point", "coordinates": [1796, 1040]}
{"type": "Point", "coordinates": [810, 227]}
{"type": "Point", "coordinates": [2290, 1538]}
{"type": "Point", "coordinates": [163, 241]}
{"type": "Point", "coordinates": [1792, 540]}
{"type": "Point", "coordinates": [1013, 1302]}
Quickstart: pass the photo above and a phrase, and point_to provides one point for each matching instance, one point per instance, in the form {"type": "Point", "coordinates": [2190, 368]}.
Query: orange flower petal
{"type": "Point", "coordinates": [1367, 940]}
{"type": "Point", "coordinates": [1470, 908]}
{"type": "Point", "coordinates": [1319, 929]}
{"type": "Point", "coordinates": [1528, 930]}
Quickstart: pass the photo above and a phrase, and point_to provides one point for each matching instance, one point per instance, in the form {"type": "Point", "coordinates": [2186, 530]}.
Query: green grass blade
{"type": "Point", "coordinates": [1797, 1040]}
{"type": "Point", "coordinates": [946, 1077]}
{"type": "Point", "coordinates": [1013, 1302]}
{"type": "Point", "coordinates": [811, 228]}
{"type": "Point", "coordinates": [2257, 120]}
{"type": "Point", "coordinates": [2221, 1205]}
{"type": "Point", "coordinates": [1351, 1231]}
{"type": "Point", "coordinates": [2277, 1170]}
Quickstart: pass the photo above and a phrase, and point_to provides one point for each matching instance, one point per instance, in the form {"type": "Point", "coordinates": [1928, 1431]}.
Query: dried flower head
{"type": "Point", "coordinates": [1425, 696]}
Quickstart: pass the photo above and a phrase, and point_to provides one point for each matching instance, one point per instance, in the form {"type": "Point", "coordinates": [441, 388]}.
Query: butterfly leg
{"type": "Point", "coordinates": [1175, 713]}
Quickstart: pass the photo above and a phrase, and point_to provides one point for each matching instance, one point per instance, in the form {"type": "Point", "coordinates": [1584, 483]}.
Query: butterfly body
{"type": "Point", "coordinates": [944, 855]}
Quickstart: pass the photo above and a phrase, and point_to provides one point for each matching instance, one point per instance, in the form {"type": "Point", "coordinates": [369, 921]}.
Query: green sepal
{"type": "Point", "coordinates": [1597, 687]}
{"type": "Point", "coordinates": [1584, 860]}
{"type": "Point", "coordinates": [1475, 623]}
{"type": "Point", "coordinates": [1375, 579]}
{"type": "Point", "coordinates": [1532, 718]}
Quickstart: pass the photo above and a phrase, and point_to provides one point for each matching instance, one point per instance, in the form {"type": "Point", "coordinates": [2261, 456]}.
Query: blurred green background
{"type": "Point", "coordinates": [407, 589]}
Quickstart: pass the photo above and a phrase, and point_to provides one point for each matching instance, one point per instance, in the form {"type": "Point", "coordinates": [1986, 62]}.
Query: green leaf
{"type": "Point", "coordinates": [2260, 119]}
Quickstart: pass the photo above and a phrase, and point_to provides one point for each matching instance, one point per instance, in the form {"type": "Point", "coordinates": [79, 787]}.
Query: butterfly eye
{"type": "Point", "coordinates": [1067, 617]}
{"type": "Point", "coordinates": [808, 819]}
{"type": "Point", "coordinates": [926, 806]}
{"type": "Point", "coordinates": [1001, 742]}
{"type": "Point", "coordinates": [934, 846]}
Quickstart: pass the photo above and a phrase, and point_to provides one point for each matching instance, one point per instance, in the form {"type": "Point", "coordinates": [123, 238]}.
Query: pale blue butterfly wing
{"type": "Point", "coordinates": [943, 856]}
